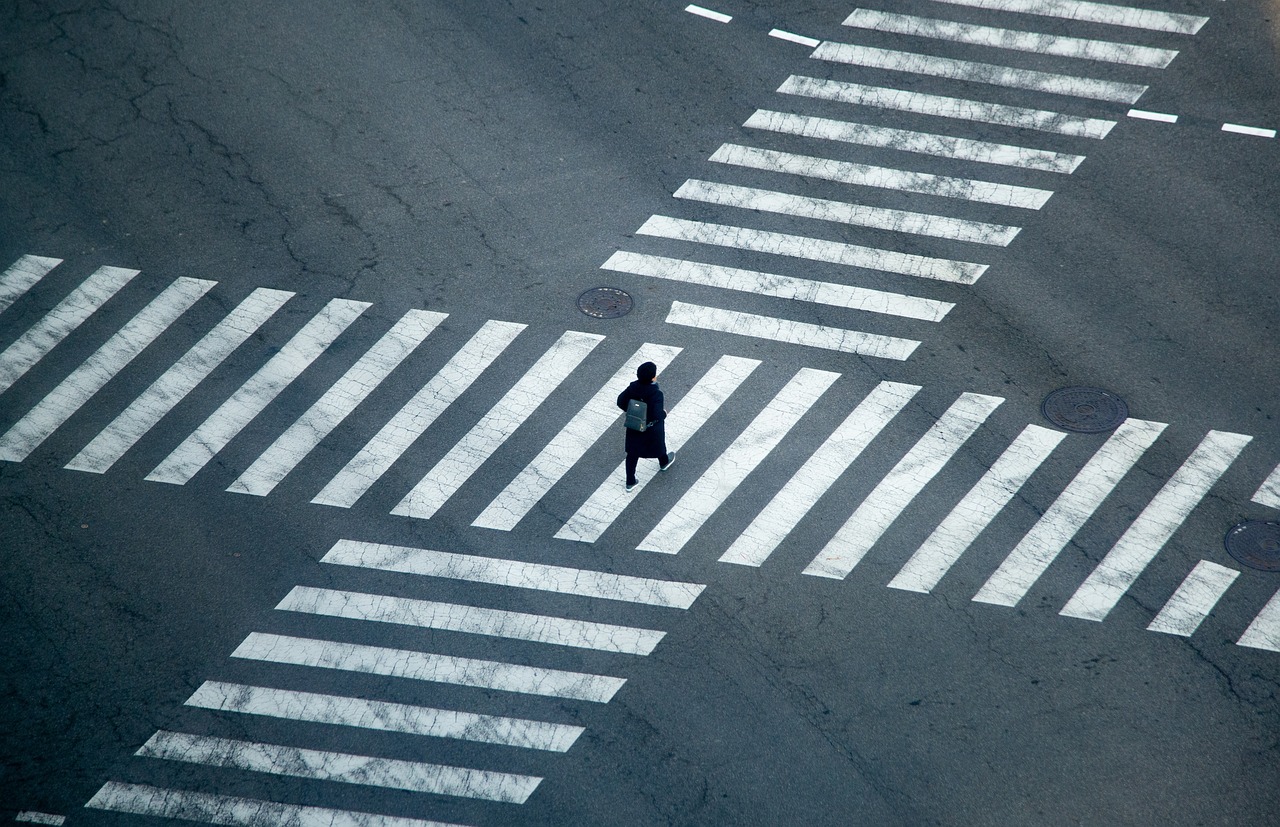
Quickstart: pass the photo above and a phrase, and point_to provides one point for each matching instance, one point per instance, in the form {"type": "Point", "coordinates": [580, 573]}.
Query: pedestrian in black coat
{"type": "Point", "coordinates": [650, 443]}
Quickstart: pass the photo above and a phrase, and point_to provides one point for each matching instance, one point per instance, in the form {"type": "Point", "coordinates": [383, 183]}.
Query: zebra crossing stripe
{"type": "Point", "coordinates": [1069, 512]}
{"type": "Point", "coordinates": [986, 73]}
{"type": "Point", "coordinates": [1196, 596]}
{"type": "Point", "coordinates": [974, 513]}
{"type": "Point", "coordinates": [257, 392]}
{"type": "Point", "coordinates": [178, 381]}
{"type": "Point", "coordinates": [1107, 14]}
{"type": "Point", "coordinates": [466, 457]}
{"type": "Point", "coordinates": [864, 175]}
{"type": "Point", "coordinates": [901, 485]}
{"type": "Point", "coordinates": [58, 323]}
{"type": "Point", "coordinates": [1022, 41]}
{"type": "Point", "coordinates": [784, 512]}
{"type": "Point", "coordinates": [21, 276]}
{"type": "Point", "coordinates": [1264, 631]}
{"type": "Point", "coordinates": [382, 715]}
{"type": "Point", "coordinates": [782, 287]}
{"type": "Point", "coordinates": [474, 620]}
{"type": "Point", "coordinates": [1269, 492]}
{"type": "Point", "coordinates": [813, 249]}
{"type": "Point", "coordinates": [567, 447]}
{"type": "Point", "coordinates": [919, 103]}
{"type": "Point", "coordinates": [1155, 526]}
{"type": "Point", "coordinates": [785, 330]}
{"type": "Point", "coordinates": [274, 464]}
{"type": "Point", "coordinates": [343, 768]}
{"type": "Point", "coordinates": [606, 504]}
{"type": "Point", "coordinates": [497, 571]}
{"type": "Point", "coordinates": [861, 215]}
{"type": "Point", "coordinates": [729, 470]}
{"type": "Point", "coordinates": [922, 143]}
{"type": "Point", "coordinates": [412, 420]}
{"type": "Point", "coordinates": [51, 412]}
{"type": "Point", "coordinates": [425, 666]}
{"type": "Point", "coordinates": [210, 808]}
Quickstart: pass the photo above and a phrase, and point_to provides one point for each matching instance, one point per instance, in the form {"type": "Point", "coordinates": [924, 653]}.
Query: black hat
{"type": "Point", "coordinates": [646, 372]}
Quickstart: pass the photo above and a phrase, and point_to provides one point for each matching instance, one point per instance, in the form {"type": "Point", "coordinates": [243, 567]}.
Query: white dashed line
{"type": "Point", "coordinates": [1249, 130]}
{"type": "Point", "coordinates": [794, 38]}
{"type": "Point", "coordinates": [1152, 116]}
{"type": "Point", "coordinates": [719, 17]}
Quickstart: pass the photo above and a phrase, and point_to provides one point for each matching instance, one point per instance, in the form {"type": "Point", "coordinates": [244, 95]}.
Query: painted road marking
{"type": "Point", "coordinates": [791, 332]}
{"type": "Point", "coordinates": [1199, 592]}
{"type": "Point", "coordinates": [1094, 13]}
{"type": "Point", "coordinates": [1264, 631]}
{"type": "Point", "coordinates": [1152, 116]}
{"type": "Point", "coordinates": [21, 276]}
{"type": "Point", "coordinates": [719, 17]}
{"type": "Point", "coordinates": [794, 38]}
{"type": "Point", "coordinates": [33, 817]}
{"type": "Point", "coordinates": [1249, 130]}
{"type": "Point", "coordinates": [1269, 492]}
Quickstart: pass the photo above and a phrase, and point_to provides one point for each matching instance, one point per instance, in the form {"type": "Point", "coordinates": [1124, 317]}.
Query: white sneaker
{"type": "Point", "coordinates": [671, 458]}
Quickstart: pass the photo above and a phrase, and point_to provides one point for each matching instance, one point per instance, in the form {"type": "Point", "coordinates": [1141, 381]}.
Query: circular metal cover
{"type": "Point", "coordinates": [1256, 544]}
{"type": "Point", "coordinates": [1084, 410]}
{"type": "Point", "coordinates": [605, 302]}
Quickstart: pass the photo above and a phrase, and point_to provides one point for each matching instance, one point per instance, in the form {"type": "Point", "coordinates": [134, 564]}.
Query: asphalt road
{"type": "Point", "coordinates": [482, 160]}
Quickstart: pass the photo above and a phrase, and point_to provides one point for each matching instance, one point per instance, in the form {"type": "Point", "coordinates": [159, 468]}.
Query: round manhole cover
{"type": "Point", "coordinates": [1084, 410]}
{"type": "Point", "coordinates": [605, 302]}
{"type": "Point", "coordinates": [1256, 544]}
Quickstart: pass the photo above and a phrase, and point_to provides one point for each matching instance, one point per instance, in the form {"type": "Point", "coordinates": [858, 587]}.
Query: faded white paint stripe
{"type": "Point", "coordinates": [901, 485]}
{"type": "Point", "coordinates": [1094, 13]}
{"type": "Point", "coordinates": [1264, 631]}
{"type": "Point", "coordinates": [257, 392]}
{"type": "Point", "coordinates": [52, 412]}
{"type": "Point", "coordinates": [1021, 41]}
{"type": "Point", "coordinates": [502, 420]}
{"type": "Point", "coordinates": [33, 817]}
{"type": "Point", "coordinates": [474, 620]}
{"type": "Point", "coordinates": [178, 381]}
{"type": "Point", "coordinates": [21, 276]}
{"type": "Point", "coordinates": [922, 143]}
{"type": "Point", "coordinates": [412, 420]}
{"type": "Point", "coordinates": [1069, 512]}
{"type": "Point", "coordinates": [209, 808]}
{"type": "Point", "coordinates": [989, 495]}
{"type": "Point", "coordinates": [791, 332]}
{"type": "Point", "coordinates": [506, 510]}
{"type": "Point", "coordinates": [1199, 592]}
{"type": "Point", "coordinates": [813, 249]}
{"type": "Point", "coordinates": [606, 504]}
{"type": "Point", "coordinates": [337, 403]}
{"type": "Point", "coordinates": [1268, 493]}
{"type": "Point", "coordinates": [864, 175]}
{"type": "Point", "coordinates": [1155, 526]}
{"type": "Point", "coordinates": [514, 573]}
{"type": "Point", "coordinates": [732, 467]}
{"type": "Point", "coordinates": [425, 666]}
{"type": "Point", "coordinates": [802, 492]}
{"type": "Point", "coordinates": [941, 106]}
{"type": "Point", "coordinates": [58, 323]}
{"type": "Point", "coordinates": [382, 715]}
{"type": "Point", "coordinates": [339, 767]}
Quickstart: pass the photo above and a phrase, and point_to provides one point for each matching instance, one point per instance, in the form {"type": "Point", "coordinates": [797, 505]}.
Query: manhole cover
{"type": "Point", "coordinates": [1256, 544]}
{"type": "Point", "coordinates": [605, 302]}
{"type": "Point", "coordinates": [1084, 410]}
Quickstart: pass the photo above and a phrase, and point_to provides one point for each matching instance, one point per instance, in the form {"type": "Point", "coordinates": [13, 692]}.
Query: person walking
{"type": "Point", "coordinates": [651, 443]}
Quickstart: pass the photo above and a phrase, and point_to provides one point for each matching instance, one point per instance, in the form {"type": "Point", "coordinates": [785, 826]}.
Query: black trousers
{"type": "Point", "coordinates": [634, 459]}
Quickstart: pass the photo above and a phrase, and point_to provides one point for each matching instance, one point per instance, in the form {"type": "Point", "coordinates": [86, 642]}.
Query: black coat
{"type": "Point", "coordinates": [652, 443]}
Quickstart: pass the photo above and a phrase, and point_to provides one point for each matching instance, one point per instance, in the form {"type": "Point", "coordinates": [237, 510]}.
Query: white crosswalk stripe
{"type": "Point", "coordinates": [1085, 12]}
{"type": "Point", "coordinates": [1269, 492]}
{"type": "Point", "coordinates": [22, 275]}
{"type": "Point", "coordinates": [792, 332]}
{"type": "Point", "coordinates": [1196, 596]}
{"type": "Point", "coordinates": [1264, 631]}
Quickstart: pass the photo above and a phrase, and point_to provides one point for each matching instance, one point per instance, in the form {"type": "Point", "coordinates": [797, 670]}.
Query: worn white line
{"type": "Point", "coordinates": [1264, 631]}
{"type": "Point", "coordinates": [794, 38]}
{"type": "Point", "coordinates": [1069, 512]}
{"type": "Point", "coordinates": [52, 412]}
{"type": "Point", "coordinates": [813, 249]}
{"type": "Point", "coordinates": [340, 767]}
{"type": "Point", "coordinates": [210, 808]}
{"type": "Point", "coordinates": [1093, 13]}
{"type": "Point", "coordinates": [802, 492]}
{"type": "Point", "coordinates": [382, 715]}
{"type": "Point", "coordinates": [514, 573]}
{"type": "Point", "coordinates": [1199, 592]}
{"type": "Point", "coordinates": [901, 485]}
{"type": "Point", "coordinates": [1249, 130]}
{"type": "Point", "coordinates": [1143, 114]}
{"type": "Point", "coordinates": [732, 467]}
{"type": "Point", "coordinates": [21, 276]}
{"type": "Point", "coordinates": [257, 392]}
{"type": "Point", "coordinates": [425, 666]}
{"type": "Point", "coordinates": [1268, 493]}
{"type": "Point", "coordinates": [719, 17]}
{"type": "Point", "coordinates": [413, 419]}
{"type": "Point", "coordinates": [941, 106]}
{"type": "Point", "coordinates": [845, 172]}
{"type": "Point", "coordinates": [608, 501]}
{"type": "Point", "coordinates": [922, 143]}
{"type": "Point", "coordinates": [58, 323]}
{"type": "Point", "coordinates": [989, 495]}
{"type": "Point", "coordinates": [178, 381]}
{"type": "Point", "coordinates": [1155, 526]}
{"type": "Point", "coordinates": [591, 421]}
{"type": "Point", "coordinates": [337, 403]}
{"type": "Point", "coordinates": [33, 817]}
{"type": "Point", "coordinates": [1021, 41]}
{"type": "Point", "coordinates": [474, 620]}
{"type": "Point", "coordinates": [791, 332]}
{"type": "Point", "coordinates": [502, 420]}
